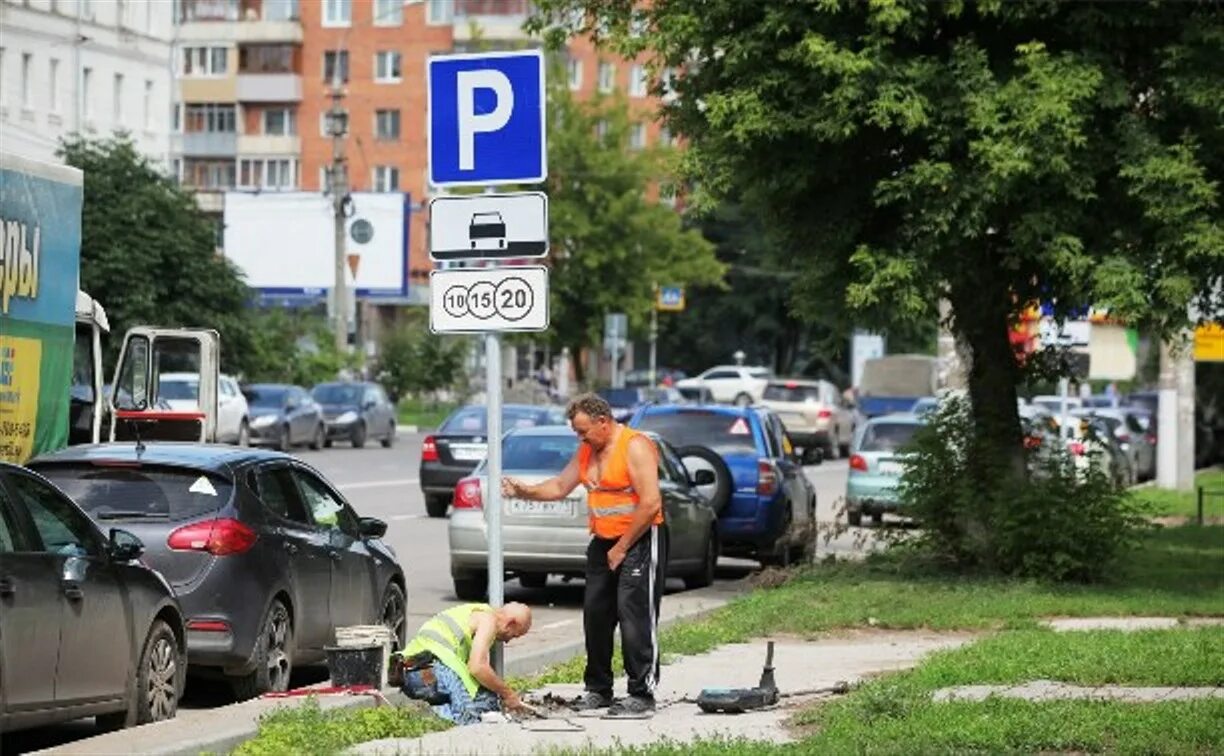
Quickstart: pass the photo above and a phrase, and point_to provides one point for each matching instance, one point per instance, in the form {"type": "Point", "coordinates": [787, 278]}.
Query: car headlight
{"type": "Point", "coordinates": [263, 421]}
{"type": "Point", "coordinates": [347, 417]}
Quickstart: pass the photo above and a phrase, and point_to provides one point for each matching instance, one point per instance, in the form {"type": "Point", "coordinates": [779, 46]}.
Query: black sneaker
{"type": "Point", "coordinates": [591, 701]}
{"type": "Point", "coordinates": [633, 707]}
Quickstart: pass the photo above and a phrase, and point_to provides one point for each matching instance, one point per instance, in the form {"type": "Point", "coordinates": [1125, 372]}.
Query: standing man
{"type": "Point", "coordinates": [618, 467]}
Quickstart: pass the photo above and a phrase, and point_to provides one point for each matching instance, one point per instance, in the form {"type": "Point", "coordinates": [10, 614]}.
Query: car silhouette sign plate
{"type": "Point", "coordinates": [488, 226]}
{"type": "Point", "coordinates": [487, 300]}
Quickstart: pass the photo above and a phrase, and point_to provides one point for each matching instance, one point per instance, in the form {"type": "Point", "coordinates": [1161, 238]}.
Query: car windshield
{"type": "Point", "coordinates": [114, 493]}
{"type": "Point", "coordinates": [887, 437]}
{"type": "Point", "coordinates": [620, 397]}
{"type": "Point", "coordinates": [760, 373]}
{"type": "Point", "coordinates": [265, 398]}
{"type": "Point", "coordinates": [473, 421]}
{"type": "Point", "coordinates": [789, 392]}
{"type": "Point", "coordinates": [178, 388]}
{"type": "Point", "coordinates": [721, 432]}
{"type": "Point", "coordinates": [336, 393]}
{"type": "Point", "coordinates": [549, 454]}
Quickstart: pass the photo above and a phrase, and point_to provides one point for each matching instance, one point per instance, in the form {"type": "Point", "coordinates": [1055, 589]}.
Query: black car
{"type": "Point", "coordinates": [460, 443]}
{"type": "Point", "coordinates": [284, 416]}
{"type": "Point", "coordinates": [356, 411]}
{"type": "Point", "coordinates": [85, 628]}
{"type": "Point", "coordinates": [266, 558]}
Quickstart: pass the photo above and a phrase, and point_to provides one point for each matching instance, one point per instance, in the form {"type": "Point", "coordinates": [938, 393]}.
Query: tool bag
{"type": "Point", "coordinates": [415, 676]}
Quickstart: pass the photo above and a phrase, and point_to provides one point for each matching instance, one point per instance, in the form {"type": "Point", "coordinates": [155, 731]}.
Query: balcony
{"type": "Point", "coordinates": [500, 20]}
{"type": "Point", "coordinates": [269, 87]}
{"type": "Point", "coordinates": [234, 21]}
{"type": "Point", "coordinates": [206, 144]}
{"type": "Point", "coordinates": [264, 144]}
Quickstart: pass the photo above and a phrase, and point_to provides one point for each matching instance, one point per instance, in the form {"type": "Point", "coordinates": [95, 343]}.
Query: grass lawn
{"type": "Point", "coordinates": [1168, 503]}
{"type": "Point", "coordinates": [424, 413]}
{"type": "Point", "coordinates": [307, 729]}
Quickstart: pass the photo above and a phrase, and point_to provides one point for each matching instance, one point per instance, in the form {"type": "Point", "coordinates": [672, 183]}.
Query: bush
{"type": "Point", "coordinates": [413, 360]}
{"type": "Point", "coordinates": [307, 729]}
{"type": "Point", "coordinates": [1053, 523]}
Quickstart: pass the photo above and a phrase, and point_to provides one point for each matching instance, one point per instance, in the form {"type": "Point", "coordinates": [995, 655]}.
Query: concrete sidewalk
{"type": "Point", "coordinates": [799, 666]}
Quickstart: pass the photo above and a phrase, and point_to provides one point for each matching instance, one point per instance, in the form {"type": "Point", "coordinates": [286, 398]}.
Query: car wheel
{"type": "Point", "coordinates": [743, 400]}
{"type": "Point", "coordinates": [244, 434]}
{"type": "Point", "coordinates": [533, 579]}
{"type": "Point", "coordinates": [855, 519]}
{"type": "Point", "coordinates": [327, 443]}
{"type": "Point", "coordinates": [286, 441]}
{"type": "Point", "coordinates": [436, 506]}
{"type": "Point", "coordinates": [319, 438]}
{"type": "Point", "coordinates": [705, 577]}
{"type": "Point", "coordinates": [358, 438]}
{"type": "Point", "coordinates": [471, 586]}
{"type": "Point", "coordinates": [273, 657]}
{"type": "Point", "coordinates": [718, 494]}
{"type": "Point", "coordinates": [832, 449]}
{"type": "Point", "coordinates": [877, 519]}
{"type": "Point", "coordinates": [159, 682]}
{"type": "Point", "coordinates": [389, 441]}
{"type": "Point", "coordinates": [779, 555]}
{"type": "Point", "coordinates": [394, 614]}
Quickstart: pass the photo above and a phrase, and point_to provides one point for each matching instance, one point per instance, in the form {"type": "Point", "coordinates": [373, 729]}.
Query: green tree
{"type": "Point", "coordinates": [147, 252]}
{"type": "Point", "coordinates": [988, 153]}
{"type": "Point", "coordinates": [414, 360]}
{"type": "Point", "coordinates": [294, 346]}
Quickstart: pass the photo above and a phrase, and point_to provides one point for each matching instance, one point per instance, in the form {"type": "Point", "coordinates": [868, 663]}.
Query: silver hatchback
{"type": "Point", "coordinates": [542, 538]}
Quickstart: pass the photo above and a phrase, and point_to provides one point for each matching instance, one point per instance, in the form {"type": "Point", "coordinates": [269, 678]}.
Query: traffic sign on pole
{"type": "Point", "coordinates": [488, 226]}
{"type": "Point", "coordinates": [671, 299]}
{"type": "Point", "coordinates": [484, 300]}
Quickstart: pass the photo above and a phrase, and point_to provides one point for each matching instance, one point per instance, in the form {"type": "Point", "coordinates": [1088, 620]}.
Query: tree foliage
{"type": "Point", "coordinates": [413, 360]}
{"type": "Point", "coordinates": [292, 346]}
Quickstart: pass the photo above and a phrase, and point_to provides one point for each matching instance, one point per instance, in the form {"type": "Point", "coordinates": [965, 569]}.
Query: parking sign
{"type": "Point", "coordinates": [487, 119]}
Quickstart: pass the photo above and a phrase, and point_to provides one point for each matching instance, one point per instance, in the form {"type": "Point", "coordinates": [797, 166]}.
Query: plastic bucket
{"type": "Point", "coordinates": [356, 665]}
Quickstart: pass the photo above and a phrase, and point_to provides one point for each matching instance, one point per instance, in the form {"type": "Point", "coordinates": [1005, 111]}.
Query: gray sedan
{"type": "Point", "coordinates": [542, 538]}
{"type": "Point", "coordinates": [1130, 430]}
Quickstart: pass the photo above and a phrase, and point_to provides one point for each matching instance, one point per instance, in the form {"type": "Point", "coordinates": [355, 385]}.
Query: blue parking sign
{"type": "Point", "coordinates": [487, 118]}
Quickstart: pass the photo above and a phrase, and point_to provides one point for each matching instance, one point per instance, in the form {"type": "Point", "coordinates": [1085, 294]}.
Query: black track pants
{"type": "Point", "coordinates": [629, 597]}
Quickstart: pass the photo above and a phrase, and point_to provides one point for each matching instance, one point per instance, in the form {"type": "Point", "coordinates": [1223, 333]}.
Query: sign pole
{"type": "Point", "coordinates": [493, 510]}
{"type": "Point", "coordinates": [654, 337]}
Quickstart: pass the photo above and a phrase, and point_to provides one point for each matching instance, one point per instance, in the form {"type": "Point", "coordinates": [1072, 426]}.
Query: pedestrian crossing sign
{"type": "Point", "coordinates": [670, 299]}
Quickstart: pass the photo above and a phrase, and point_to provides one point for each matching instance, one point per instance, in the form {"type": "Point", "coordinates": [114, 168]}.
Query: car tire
{"type": "Point", "coordinates": [327, 443]}
{"type": "Point", "coordinates": [721, 494]}
{"type": "Point", "coordinates": [358, 436]}
{"type": "Point", "coordinates": [436, 505]}
{"type": "Point", "coordinates": [244, 434]}
{"type": "Point", "coordinates": [273, 656]}
{"type": "Point", "coordinates": [471, 586]}
{"type": "Point", "coordinates": [534, 580]}
{"type": "Point", "coordinates": [855, 519]}
{"type": "Point", "coordinates": [389, 441]}
{"type": "Point", "coordinates": [159, 682]}
{"type": "Point", "coordinates": [319, 439]}
{"type": "Point", "coordinates": [709, 565]}
{"type": "Point", "coordinates": [395, 614]}
{"type": "Point", "coordinates": [832, 449]}
{"type": "Point", "coordinates": [743, 400]}
{"type": "Point", "coordinates": [878, 519]}
{"type": "Point", "coordinates": [286, 440]}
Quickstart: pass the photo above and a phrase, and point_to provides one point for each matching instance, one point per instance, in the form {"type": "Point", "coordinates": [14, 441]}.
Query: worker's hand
{"type": "Point", "coordinates": [512, 488]}
{"type": "Point", "coordinates": [616, 555]}
{"type": "Point", "coordinates": [512, 702]}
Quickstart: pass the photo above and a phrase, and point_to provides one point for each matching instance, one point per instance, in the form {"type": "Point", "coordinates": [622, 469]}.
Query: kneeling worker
{"type": "Point", "coordinates": [447, 663]}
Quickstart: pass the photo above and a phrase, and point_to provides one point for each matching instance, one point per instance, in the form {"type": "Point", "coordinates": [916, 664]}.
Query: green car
{"type": "Point", "coordinates": [876, 466]}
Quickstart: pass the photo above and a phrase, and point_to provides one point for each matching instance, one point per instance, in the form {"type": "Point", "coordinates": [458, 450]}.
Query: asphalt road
{"type": "Point", "coordinates": [384, 483]}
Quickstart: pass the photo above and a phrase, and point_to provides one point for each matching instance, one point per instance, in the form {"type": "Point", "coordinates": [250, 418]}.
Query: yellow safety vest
{"type": "Point", "coordinates": [448, 636]}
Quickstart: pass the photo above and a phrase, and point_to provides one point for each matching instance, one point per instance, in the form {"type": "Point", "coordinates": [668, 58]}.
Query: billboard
{"type": "Point", "coordinates": [283, 242]}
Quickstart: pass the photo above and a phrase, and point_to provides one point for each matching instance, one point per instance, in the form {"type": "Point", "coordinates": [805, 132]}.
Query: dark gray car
{"type": "Point", "coordinates": [85, 628]}
{"type": "Point", "coordinates": [284, 416]}
{"type": "Point", "coordinates": [266, 558]}
{"type": "Point", "coordinates": [355, 411]}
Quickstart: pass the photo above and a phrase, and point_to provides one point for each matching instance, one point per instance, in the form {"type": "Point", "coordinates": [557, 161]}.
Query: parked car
{"type": "Point", "coordinates": [86, 629]}
{"type": "Point", "coordinates": [814, 413]}
{"type": "Point", "coordinates": [876, 466]}
{"type": "Point", "coordinates": [542, 538]}
{"type": "Point", "coordinates": [1129, 430]}
{"type": "Point", "coordinates": [181, 391]}
{"type": "Point", "coordinates": [284, 416]}
{"type": "Point", "coordinates": [1053, 402]}
{"type": "Point", "coordinates": [766, 505]}
{"type": "Point", "coordinates": [624, 401]}
{"type": "Point", "coordinates": [733, 384]}
{"type": "Point", "coordinates": [460, 443]}
{"type": "Point", "coordinates": [694, 395]}
{"type": "Point", "coordinates": [893, 383]}
{"type": "Point", "coordinates": [356, 411]}
{"type": "Point", "coordinates": [265, 556]}
{"type": "Point", "coordinates": [1091, 441]}
{"type": "Point", "coordinates": [663, 376]}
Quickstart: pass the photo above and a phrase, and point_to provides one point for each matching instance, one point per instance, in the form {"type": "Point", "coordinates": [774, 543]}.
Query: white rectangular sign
{"type": "Point", "coordinates": [482, 300]}
{"type": "Point", "coordinates": [488, 226]}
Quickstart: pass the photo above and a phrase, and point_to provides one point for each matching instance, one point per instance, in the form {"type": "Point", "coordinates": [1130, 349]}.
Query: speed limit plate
{"type": "Point", "coordinates": [481, 300]}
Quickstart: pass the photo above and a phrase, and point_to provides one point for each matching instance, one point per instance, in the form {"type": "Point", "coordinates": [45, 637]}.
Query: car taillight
{"type": "Point", "coordinates": [429, 450]}
{"type": "Point", "coordinates": [767, 481]}
{"type": "Point", "coordinates": [218, 537]}
{"type": "Point", "coordinates": [1076, 448]}
{"type": "Point", "coordinates": [1123, 438]}
{"type": "Point", "coordinates": [824, 414]}
{"type": "Point", "coordinates": [467, 494]}
{"type": "Point", "coordinates": [858, 462]}
{"type": "Point", "coordinates": [1032, 442]}
{"type": "Point", "coordinates": [1151, 439]}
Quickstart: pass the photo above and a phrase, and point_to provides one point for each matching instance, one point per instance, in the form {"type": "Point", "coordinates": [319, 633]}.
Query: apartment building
{"type": "Point", "coordinates": [88, 66]}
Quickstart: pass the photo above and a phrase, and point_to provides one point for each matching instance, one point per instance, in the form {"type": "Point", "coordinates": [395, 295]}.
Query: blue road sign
{"type": "Point", "coordinates": [486, 118]}
{"type": "Point", "coordinates": [671, 298]}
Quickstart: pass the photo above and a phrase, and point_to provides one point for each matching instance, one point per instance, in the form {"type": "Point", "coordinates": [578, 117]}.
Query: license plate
{"type": "Point", "coordinates": [468, 452]}
{"type": "Point", "coordinates": [891, 468]}
{"type": "Point", "coordinates": [563, 508]}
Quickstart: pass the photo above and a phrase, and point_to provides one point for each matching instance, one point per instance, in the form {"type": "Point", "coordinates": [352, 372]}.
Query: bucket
{"type": "Point", "coordinates": [365, 637]}
{"type": "Point", "coordinates": [357, 665]}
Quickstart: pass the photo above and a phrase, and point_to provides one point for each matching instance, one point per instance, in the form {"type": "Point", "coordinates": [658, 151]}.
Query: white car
{"type": "Point", "coordinates": [733, 384]}
{"type": "Point", "coordinates": [815, 414]}
{"type": "Point", "coordinates": [181, 392]}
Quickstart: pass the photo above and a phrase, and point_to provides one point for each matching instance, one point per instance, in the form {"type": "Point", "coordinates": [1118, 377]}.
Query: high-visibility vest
{"type": "Point", "coordinates": [448, 636]}
{"type": "Point", "coordinates": [611, 500]}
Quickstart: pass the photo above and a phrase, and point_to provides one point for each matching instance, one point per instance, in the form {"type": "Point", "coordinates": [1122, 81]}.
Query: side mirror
{"type": "Point", "coordinates": [291, 405]}
{"type": "Point", "coordinates": [369, 405]}
{"type": "Point", "coordinates": [704, 478]}
{"type": "Point", "coordinates": [122, 546]}
{"type": "Point", "coordinates": [372, 527]}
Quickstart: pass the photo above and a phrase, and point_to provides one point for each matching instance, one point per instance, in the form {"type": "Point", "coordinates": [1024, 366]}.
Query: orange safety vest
{"type": "Point", "coordinates": [611, 501]}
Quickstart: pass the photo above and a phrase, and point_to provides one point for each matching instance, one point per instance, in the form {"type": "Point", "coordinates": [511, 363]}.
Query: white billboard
{"type": "Point", "coordinates": [283, 242]}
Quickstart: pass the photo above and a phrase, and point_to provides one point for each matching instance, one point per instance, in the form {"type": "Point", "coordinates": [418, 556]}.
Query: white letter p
{"type": "Point", "coordinates": [472, 123]}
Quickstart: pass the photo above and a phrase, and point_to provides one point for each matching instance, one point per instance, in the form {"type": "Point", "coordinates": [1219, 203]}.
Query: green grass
{"type": "Point", "coordinates": [1166, 503]}
{"type": "Point", "coordinates": [426, 414]}
{"type": "Point", "coordinates": [309, 730]}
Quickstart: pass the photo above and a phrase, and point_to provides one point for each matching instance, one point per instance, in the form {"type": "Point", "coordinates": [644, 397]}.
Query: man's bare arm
{"type": "Point", "coordinates": [478, 661]}
{"type": "Point", "coordinates": [554, 488]}
{"type": "Point", "coordinates": [644, 475]}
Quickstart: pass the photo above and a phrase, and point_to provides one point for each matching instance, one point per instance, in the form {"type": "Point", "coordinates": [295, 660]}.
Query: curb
{"type": "Point", "coordinates": [407, 429]}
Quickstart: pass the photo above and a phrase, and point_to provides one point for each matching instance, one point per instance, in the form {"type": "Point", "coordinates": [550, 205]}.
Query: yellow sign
{"type": "Point", "coordinates": [1209, 343]}
{"type": "Point", "coordinates": [19, 376]}
{"type": "Point", "coordinates": [670, 299]}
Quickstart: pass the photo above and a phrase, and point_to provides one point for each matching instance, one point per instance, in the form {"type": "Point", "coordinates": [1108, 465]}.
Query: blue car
{"type": "Point", "coordinates": [765, 504]}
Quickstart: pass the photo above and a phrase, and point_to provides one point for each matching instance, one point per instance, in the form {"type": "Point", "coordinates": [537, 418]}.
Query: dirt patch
{"type": "Point", "coordinates": [1178, 521]}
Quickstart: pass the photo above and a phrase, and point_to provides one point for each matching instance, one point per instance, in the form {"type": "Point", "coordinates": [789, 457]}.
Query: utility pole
{"type": "Point", "coordinates": [1175, 416]}
{"type": "Point", "coordinates": [654, 336]}
{"type": "Point", "coordinates": [337, 121]}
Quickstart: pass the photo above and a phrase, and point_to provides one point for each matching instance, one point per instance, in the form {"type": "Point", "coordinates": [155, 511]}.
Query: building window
{"type": "Point", "coordinates": [575, 74]}
{"type": "Point", "coordinates": [665, 138]}
{"type": "Point", "coordinates": [280, 10]}
{"type": "Point", "coordinates": [176, 118]}
{"type": "Point", "coordinates": [637, 81]}
{"type": "Point", "coordinates": [205, 61]}
{"type": "Point", "coordinates": [53, 84]}
{"type": "Point", "coordinates": [387, 66]}
{"type": "Point", "coordinates": [607, 77]}
{"type": "Point", "coordinates": [148, 105]}
{"type": "Point", "coordinates": [209, 174]}
{"type": "Point", "coordinates": [388, 12]}
{"type": "Point", "coordinates": [280, 122]}
{"type": "Point", "coordinates": [668, 83]}
{"type": "Point", "coordinates": [210, 118]}
{"type": "Point", "coordinates": [27, 62]}
{"type": "Point", "coordinates": [637, 136]}
{"type": "Point", "coordinates": [334, 60]}
{"type": "Point", "coordinates": [325, 119]}
{"type": "Point", "coordinates": [267, 173]}
{"type": "Point", "coordinates": [87, 92]}
{"type": "Point", "coordinates": [325, 181]}
{"type": "Point", "coordinates": [440, 12]}
{"type": "Point", "coordinates": [601, 129]}
{"type": "Point", "coordinates": [117, 99]}
{"type": "Point", "coordinates": [387, 124]}
{"type": "Point", "coordinates": [337, 12]}
{"type": "Point", "coordinates": [386, 178]}
{"type": "Point", "coordinates": [667, 196]}
{"type": "Point", "coordinates": [265, 59]}
{"type": "Point", "coordinates": [208, 10]}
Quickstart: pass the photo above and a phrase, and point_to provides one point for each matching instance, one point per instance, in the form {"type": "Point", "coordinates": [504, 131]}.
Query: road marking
{"type": "Point", "coordinates": [561, 623]}
{"type": "Point", "coordinates": [397, 518]}
{"type": "Point", "coordinates": [379, 484]}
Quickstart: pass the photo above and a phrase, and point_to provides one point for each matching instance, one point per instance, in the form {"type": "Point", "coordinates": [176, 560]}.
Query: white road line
{"type": "Point", "coordinates": [561, 623]}
{"type": "Point", "coordinates": [397, 518]}
{"type": "Point", "coordinates": [379, 484]}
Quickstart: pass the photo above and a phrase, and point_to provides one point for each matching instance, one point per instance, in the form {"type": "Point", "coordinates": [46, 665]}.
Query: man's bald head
{"type": "Point", "coordinates": [513, 621]}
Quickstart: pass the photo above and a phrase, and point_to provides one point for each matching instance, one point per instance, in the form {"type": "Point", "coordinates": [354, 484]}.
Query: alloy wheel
{"type": "Point", "coordinates": [162, 687]}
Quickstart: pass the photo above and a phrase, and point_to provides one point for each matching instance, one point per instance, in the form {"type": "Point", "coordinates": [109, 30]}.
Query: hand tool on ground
{"type": "Point", "coordinates": [739, 700]}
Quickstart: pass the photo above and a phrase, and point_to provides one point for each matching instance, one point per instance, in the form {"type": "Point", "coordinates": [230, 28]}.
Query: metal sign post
{"type": "Point", "coordinates": [493, 511]}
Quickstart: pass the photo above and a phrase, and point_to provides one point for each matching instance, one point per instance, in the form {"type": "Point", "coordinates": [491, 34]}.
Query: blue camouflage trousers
{"type": "Point", "coordinates": [461, 708]}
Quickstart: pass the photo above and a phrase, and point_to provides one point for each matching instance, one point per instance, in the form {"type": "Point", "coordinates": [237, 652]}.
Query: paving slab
{"type": "Point", "coordinates": [1131, 624]}
{"type": "Point", "coordinates": [1049, 690]}
{"type": "Point", "coordinates": [799, 666]}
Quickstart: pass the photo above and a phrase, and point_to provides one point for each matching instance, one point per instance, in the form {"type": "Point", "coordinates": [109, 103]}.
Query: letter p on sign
{"type": "Point", "coordinates": [486, 119]}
